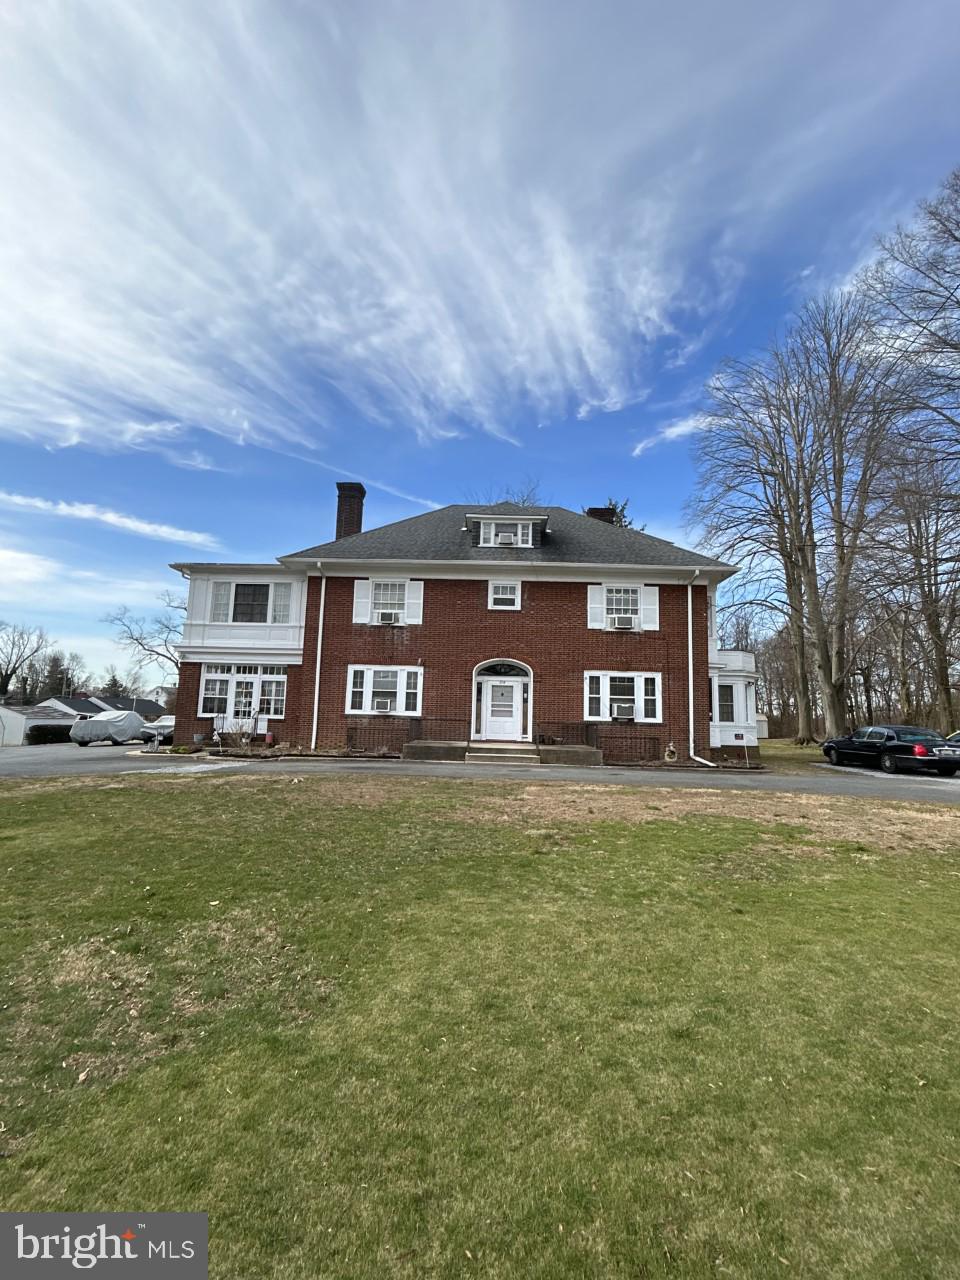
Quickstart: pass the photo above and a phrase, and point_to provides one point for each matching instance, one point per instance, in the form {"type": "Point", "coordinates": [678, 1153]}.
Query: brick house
{"type": "Point", "coordinates": [469, 629]}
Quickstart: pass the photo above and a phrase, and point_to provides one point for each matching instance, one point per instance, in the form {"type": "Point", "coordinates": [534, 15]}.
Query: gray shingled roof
{"type": "Point", "coordinates": [571, 538]}
{"type": "Point", "coordinates": [35, 712]}
{"type": "Point", "coordinates": [80, 706]}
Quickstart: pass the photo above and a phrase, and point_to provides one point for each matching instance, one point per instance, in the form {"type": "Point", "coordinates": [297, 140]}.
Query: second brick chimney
{"type": "Point", "coordinates": [605, 514]}
{"type": "Point", "coordinates": [350, 496]}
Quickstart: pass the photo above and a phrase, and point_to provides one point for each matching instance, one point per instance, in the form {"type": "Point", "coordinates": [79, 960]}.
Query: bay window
{"type": "Point", "coordinates": [633, 696]}
{"type": "Point", "coordinates": [384, 690]}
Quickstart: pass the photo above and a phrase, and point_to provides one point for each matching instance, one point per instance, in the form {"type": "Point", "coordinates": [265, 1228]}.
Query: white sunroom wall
{"type": "Point", "coordinates": [256, 639]}
{"type": "Point", "coordinates": [742, 730]}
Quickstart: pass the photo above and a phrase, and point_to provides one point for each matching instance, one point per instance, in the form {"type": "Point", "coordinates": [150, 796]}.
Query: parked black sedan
{"type": "Point", "coordinates": [896, 747]}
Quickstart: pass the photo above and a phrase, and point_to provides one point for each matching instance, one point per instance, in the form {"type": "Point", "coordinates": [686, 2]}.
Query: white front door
{"type": "Point", "coordinates": [503, 709]}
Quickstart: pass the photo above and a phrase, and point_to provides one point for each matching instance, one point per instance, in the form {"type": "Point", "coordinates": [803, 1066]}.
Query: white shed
{"type": "Point", "coordinates": [16, 721]}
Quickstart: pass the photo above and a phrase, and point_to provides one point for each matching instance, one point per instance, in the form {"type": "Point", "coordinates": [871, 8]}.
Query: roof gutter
{"type": "Point", "coordinates": [692, 750]}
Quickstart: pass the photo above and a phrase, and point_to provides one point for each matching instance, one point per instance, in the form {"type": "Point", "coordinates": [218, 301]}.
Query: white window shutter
{"type": "Point", "coordinates": [414, 612]}
{"type": "Point", "coordinates": [595, 606]}
{"type": "Point", "coordinates": [361, 600]}
{"type": "Point", "coordinates": [650, 608]}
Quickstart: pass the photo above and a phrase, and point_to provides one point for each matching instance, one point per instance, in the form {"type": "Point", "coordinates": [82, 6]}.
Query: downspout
{"type": "Point", "coordinates": [316, 679]}
{"type": "Point", "coordinates": [699, 759]}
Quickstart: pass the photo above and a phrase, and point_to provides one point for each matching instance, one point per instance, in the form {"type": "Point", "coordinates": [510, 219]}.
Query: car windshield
{"type": "Point", "coordinates": [920, 735]}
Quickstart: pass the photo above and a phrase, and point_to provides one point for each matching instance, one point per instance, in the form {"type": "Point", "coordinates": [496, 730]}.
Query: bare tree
{"type": "Point", "coordinates": [154, 639]}
{"type": "Point", "coordinates": [915, 282]}
{"type": "Point", "coordinates": [19, 646]}
{"type": "Point", "coordinates": [522, 493]}
{"type": "Point", "coordinates": [915, 568]}
{"type": "Point", "coordinates": [852, 404]}
{"type": "Point", "coordinates": [749, 498]}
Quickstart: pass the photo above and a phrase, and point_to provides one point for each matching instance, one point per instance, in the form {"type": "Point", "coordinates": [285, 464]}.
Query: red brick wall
{"type": "Point", "coordinates": [549, 633]}
{"type": "Point", "coordinates": [290, 729]}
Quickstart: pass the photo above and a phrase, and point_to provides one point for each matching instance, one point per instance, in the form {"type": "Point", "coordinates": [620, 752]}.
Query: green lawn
{"type": "Point", "coordinates": [782, 755]}
{"type": "Point", "coordinates": [432, 1029]}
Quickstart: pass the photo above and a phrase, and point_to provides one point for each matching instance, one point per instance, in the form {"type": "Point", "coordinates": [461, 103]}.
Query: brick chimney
{"type": "Point", "coordinates": [605, 514]}
{"type": "Point", "coordinates": [350, 496]}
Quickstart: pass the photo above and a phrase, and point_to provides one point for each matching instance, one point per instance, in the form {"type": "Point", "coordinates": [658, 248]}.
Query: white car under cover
{"type": "Point", "coordinates": [109, 726]}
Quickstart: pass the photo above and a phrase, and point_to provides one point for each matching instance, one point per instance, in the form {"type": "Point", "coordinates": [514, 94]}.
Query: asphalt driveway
{"type": "Point", "coordinates": [68, 760]}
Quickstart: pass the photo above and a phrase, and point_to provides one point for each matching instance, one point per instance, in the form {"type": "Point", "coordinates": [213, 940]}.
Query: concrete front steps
{"type": "Point", "coordinates": [503, 753]}
{"type": "Point", "coordinates": [528, 754]}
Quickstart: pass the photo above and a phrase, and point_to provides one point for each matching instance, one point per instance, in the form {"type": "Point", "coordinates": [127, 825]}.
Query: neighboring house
{"type": "Point", "coordinates": [471, 624]}
{"type": "Point", "coordinates": [143, 706]}
{"type": "Point", "coordinates": [161, 693]}
{"type": "Point", "coordinates": [16, 721]}
{"type": "Point", "coordinates": [79, 708]}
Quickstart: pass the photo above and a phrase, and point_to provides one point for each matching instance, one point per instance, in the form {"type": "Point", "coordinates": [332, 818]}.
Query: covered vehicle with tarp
{"type": "Point", "coordinates": [109, 726]}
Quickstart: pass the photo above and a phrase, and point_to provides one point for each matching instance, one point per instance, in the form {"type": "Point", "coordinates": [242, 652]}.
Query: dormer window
{"type": "Point", "coordinates": [506, 533]}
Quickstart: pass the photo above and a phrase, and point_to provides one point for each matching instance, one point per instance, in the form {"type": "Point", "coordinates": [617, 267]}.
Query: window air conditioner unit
{"type": "Point", "coordinates": [622, 622]}
{"type": "Point", "coordinates": [506, 539]}
{"type": "Point", "coordinates": [381, 704]}
{"type": "Point", "coordinates": [387, 619]}
{"type": "Point", "coordinates": [621, 711]}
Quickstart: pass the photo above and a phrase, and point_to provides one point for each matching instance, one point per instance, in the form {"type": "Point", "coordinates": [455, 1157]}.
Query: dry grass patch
{"type": "Point", "coordinates": [902, 827]}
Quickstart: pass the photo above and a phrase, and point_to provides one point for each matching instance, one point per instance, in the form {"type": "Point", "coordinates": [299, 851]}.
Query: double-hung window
{"type": "Point", "coordinates": [623, 606]}
{"type": "Point", "coordinates": [632, 696]}
{"type": "Point", "coordinates": [213, 701]}
{"type": "Point", "coordinates": [725, 704]}
{"type": "Point", "coordinates": [384, 690]}
{"type": "Point", "coordinates": [239, 692]}
{"type": "Point", "coordinates": [503, 595]}
{"type": "Point", "coordinates": [388, 601]}
{"type": "Point", "coordinates": [256, 602]}
{"type": "Point", "coordinates": [506, 533]}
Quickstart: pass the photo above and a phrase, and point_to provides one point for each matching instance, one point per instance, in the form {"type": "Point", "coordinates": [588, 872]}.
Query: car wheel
{"type": "Point", "coordinates": [947, 771]}
{"type": "Point", "coordinates": [888, 763]}
{"type": "Point", "coordinates": [833, 755]}
{"type": "Point", "coordinates": [83, 744]}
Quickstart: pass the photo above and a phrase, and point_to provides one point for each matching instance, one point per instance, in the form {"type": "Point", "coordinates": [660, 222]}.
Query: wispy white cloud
{"type": "Point", "coordinates": [256, 220]}
{"type": "Point", "coordinates": [113, 519]}
{"type": "Point", "coordinates": [33, 585]}
{"type": "Point", "coordinates": [677, 430]}
{"type": "Point", "coordinates": [365, 480]}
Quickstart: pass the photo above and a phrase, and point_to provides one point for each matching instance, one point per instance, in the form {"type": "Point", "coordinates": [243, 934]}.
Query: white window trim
{"type": "Point", "coordinates": [402, 610]}
{"type": "Point", "coordinates": [206, 673]}
{"type": "Point", "coordinates": [368, 670]}
{"type": "Point", "coordinates": [638, 700]}
{"type": "Point", "coordinates": [732, 686]}
{"type": "Point", "coordinates": [411, 614]}
{"type": "Point", "coordinates": [252, 582]}
{"type": "Point", "coordinates": [598, 613]}
{"type": "Point", "coordinates": [488, 537]}
{"type": "Point", "coordinates": [504, 582]}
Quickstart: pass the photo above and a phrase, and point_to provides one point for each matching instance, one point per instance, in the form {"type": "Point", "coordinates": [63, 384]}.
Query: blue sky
{"type": "Point", "coordinates": [247, 249]}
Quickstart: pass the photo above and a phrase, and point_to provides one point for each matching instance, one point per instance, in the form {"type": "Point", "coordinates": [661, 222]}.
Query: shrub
{"type": "Point", "coordinates": [41, 735]}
